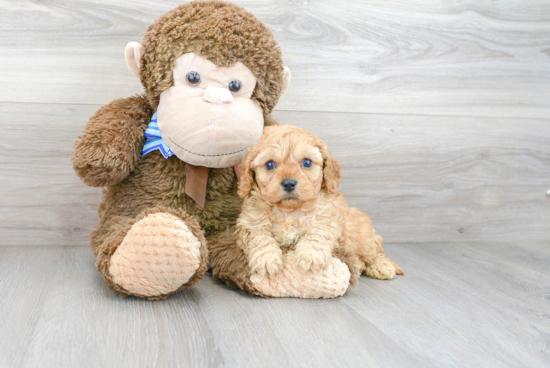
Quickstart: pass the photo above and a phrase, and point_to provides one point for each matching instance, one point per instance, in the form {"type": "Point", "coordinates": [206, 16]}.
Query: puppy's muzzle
{"type": "Point", "coordinates": [289, 185]}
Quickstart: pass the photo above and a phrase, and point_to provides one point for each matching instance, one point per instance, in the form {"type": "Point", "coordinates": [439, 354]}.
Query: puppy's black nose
{"type": "Point", "coordinates": [289, 184]}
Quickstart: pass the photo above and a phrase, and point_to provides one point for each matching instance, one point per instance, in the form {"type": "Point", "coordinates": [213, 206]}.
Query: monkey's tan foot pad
{"type": "Point", "coordinates": [157, 256]}
{"type": "Point", "coordinates": [330, 282]}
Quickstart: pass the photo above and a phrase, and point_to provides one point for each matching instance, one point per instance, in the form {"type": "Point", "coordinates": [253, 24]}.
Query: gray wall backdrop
{"type": "Point", "coordinates": [438, 110]}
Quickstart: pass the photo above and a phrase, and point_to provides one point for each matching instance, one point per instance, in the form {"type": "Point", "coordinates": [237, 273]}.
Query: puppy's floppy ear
{"type": "Point", "coordinates": [331, 169]}
{"type": "Point", "coordinates": [247, 176]}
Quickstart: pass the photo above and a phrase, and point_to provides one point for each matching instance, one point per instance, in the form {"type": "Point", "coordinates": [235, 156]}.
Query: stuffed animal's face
{"type": "Point", "coordinates": [207, 117]}
{"type": "Point", "coordinates": [290, 166]}
{"type": "Point", "coordinates": [213, 71]}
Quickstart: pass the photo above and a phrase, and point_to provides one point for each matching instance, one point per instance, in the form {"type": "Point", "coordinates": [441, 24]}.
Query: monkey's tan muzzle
{"type": "Point", "coordinates": [209, 127]}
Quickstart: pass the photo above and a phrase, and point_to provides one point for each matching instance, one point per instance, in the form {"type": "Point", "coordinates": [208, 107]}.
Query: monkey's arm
{"type": "Point", "coordinates": [111, 142]}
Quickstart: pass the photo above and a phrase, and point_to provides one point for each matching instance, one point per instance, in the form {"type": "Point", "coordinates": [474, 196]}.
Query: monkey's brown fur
{"type": "Point", "coordinates": [108, 153]}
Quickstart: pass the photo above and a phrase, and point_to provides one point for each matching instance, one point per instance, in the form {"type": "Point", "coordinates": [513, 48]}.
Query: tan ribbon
{"type": "Point", "coordinates": [196, 180]}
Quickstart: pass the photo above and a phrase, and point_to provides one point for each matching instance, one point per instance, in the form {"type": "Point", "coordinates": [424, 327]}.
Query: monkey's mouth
{"type": "Point", "coordinates": [236, 152]}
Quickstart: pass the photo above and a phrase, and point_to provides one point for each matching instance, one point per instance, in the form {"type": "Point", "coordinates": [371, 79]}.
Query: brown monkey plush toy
{"type": "Point", "coordinates": [168, 159]}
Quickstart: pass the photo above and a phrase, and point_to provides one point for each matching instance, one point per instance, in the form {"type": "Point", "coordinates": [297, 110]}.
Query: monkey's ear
{"type": "Point", "coordinates": [286, 80]}
{"type": "Point", "coordinates": [132, 54]}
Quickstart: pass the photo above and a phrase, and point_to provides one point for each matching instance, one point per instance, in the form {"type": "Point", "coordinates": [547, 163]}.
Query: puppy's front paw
{"type": "Point", "coordinates": [270, 263]}
{"type": "Point", "coordinates": [382, 270]}
{"type": "Point", "coordinates": [314, 260]}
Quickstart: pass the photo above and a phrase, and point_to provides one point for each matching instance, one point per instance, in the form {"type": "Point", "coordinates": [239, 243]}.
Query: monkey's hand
{"type": "Point", "coordinates": [111, 142]}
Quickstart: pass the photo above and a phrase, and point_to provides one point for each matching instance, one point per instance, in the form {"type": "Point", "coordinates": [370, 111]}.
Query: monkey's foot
{"type": "Point", "coordinates": [158, 255]}
{"type": "Point", "coordinates": [329, 282]}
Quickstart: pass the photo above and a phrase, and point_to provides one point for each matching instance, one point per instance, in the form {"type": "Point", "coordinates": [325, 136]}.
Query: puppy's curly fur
{"type": "Point", "coordinates": [306, 222]}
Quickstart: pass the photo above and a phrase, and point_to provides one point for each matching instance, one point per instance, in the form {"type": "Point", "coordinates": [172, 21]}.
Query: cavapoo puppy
{"type": "Point", "coordinates": [292, 211]}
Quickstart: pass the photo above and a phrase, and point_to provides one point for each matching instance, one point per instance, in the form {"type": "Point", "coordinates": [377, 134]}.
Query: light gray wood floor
{"type": "Point", "coordinates": [460, 305]}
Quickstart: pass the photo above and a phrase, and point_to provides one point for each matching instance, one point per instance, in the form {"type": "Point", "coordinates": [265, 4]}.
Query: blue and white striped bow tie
{"type": "Point", "coordinates": [154, 140]}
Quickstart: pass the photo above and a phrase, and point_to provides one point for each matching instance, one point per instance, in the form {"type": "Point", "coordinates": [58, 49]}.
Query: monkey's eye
{"type": "Point", "coordinates": [234, 86]}
{"type": "Point", "coordinates": [269, 165]}
{"type": "Point", "coordinates": [193, 78]}
{"type": "Point", "coordinates": [306, 163]}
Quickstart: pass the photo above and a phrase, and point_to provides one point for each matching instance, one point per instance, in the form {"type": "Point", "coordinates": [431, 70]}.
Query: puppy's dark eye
{"type": "Point", "coordinates": [306, 163]}
{"type": "Point", "coordinates": [269, 165]}
{"type": "Point", "coordinates": [234, 86]}
{"type": "Point", "coordinates": [193, 78]}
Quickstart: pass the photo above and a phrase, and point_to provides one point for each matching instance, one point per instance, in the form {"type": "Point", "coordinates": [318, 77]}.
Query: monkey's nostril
{"type": "Point", "coordinates": [217, 95]}
{"type": "Point", "coordinates": [288, 184]}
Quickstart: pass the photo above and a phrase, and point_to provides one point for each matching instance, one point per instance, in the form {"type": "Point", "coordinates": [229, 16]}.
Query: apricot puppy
{"type": "Point", "coordinates": [292, 211]}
